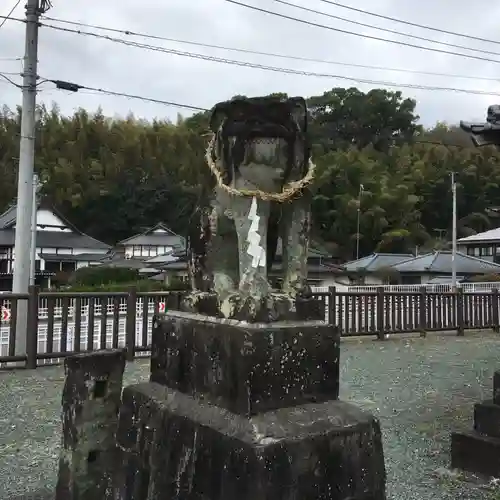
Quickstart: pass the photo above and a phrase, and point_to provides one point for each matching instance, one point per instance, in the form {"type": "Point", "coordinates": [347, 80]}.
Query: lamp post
{"type": "Point", "coordinates": [454, 234]}
{"type": "Point", "coordinates": [361, 188]}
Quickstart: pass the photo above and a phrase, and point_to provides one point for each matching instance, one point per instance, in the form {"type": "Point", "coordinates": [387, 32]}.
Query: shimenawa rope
{"type": "Point", "coordinates": [289, 191]}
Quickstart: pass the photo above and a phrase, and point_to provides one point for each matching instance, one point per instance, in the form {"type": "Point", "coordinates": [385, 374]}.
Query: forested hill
{"type": "Point", "coordinates": [113, 178]}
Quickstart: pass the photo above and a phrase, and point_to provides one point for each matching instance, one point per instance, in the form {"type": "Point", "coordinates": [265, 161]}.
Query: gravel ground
{"type": "Point", "coordinates": [421, 389]}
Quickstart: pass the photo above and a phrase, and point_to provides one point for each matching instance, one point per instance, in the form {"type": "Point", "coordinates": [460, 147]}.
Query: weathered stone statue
{"type": "Point", "coordinates": [260, 157]}
{"type": "Point", "coordinates": [243, 397]}
{"type": "Point", "coordinates": [488, 133]}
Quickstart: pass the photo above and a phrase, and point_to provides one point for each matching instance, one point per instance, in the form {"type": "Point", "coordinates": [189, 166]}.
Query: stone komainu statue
{"type": "Point", "coordinates": [486, 133]}
{"type": "Point", "coordinates": [259, 155]}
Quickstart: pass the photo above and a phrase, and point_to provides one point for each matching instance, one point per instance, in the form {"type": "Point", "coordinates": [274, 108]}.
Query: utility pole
{"type": "Point", "coordinates": [361, 187]}
{"type": "Point", "coordinates": [26, 167]}
{"type": "Point", "coordinates": [33, 229]}
{"type": "Point", "coordinates": [454, 234]}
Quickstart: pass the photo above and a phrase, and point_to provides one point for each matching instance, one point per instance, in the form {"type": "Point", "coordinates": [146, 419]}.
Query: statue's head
{"type": "Point", "coordinates": [262, 140]}
{"type": "Point", "coordinates": [487, 133]}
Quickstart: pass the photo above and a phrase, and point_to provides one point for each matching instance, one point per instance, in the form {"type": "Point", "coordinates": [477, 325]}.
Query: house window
{"type": "Point", "coordinates": [52, 266]}
{"type": "Point", "coordinates": [4, 266]}
{"type": "Point", "coordinates": [68, 266]}
{"type": "Point", "coordinates": [411, 280]}
{"type": "Point", "coordinates": [476, 252]}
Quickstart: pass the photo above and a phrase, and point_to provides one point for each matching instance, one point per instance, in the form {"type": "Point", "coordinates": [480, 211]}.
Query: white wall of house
{"type": "Point", "coordinates": [481, 250]}
{"type": "Point", "coordinates": [46, 220]}
{"type": "Point", "coordinates": [145, 251]}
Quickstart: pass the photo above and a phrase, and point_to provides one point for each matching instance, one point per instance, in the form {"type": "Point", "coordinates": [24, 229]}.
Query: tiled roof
{"type": "Point", "coordinates": [149, 237]}
{"type": "Point", "coordinates": [377, 261]}
{"type": "Point", "coordinates": [8, 216]}
{"type": "Point", "coordinates": [80, 257]}
{"type": "Point", "coordinates": [55, 239]}
{"type": "Point", "coordinates": [313, 252]}
{"type": "Point", "coordinates": [440, 262]}
{"type": "Point", "coordinates": [492, 235]}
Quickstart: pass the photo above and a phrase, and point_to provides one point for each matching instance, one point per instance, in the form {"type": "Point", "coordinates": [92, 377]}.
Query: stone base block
{"type": "Point", "coordinates": [178, 447]}
{"type": "Point", "coordinates": [487, 419]}
{"type": "Point", "coordinates": [278, 307]}
{"type": "Point", "coordinates": [476, 453]}
{"type": "Point", "coordinates": [90, 405]}
{"type": "Point", "coordinates": [496, 388]}
{"type": "Point", "coordinates": [246, 367]}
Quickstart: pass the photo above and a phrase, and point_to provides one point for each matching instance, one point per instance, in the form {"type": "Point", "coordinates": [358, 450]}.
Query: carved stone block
{"type": "Point", "coordinates": [487, 419]}
{"type": "Point", "coordinates": [195, 450]}
{"type": "Point", "coordinates": [476, 453]}
{"type": "Point", "coordinates": [90, 405]}
{"type": "Point", "coordinates": [246, 367]}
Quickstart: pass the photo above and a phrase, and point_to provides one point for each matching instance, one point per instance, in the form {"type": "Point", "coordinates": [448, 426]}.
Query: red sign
{"type": "Point", "coordinates": [161, 307]}
{"type": "Point", "coordinates": [5, 314]}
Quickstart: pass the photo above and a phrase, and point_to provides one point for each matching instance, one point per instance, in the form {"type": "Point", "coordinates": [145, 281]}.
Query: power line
{"type": "Point", "coordinates": [275, 69]}
{"type": "Point", "coordinates": [270, 68]}
{"type": "Point", "coordinates": [386, 30]}
{"type": "Point", "coordinates": [10, 13]}
{"type": "Point", "coordinates": [75, 87]}
{"type": "Point", "coordinates": [9, 80]}
{"type": "Point", "coordinates": [361, 35]}
{"type": "Point", "coordinates": [310, 23]}
{"type": "Point", "coordinates": [260, 53]}
{"type": "Point", "coordinates": [409, 23]}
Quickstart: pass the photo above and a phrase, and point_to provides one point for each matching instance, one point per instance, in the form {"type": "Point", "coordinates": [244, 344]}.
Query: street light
{"type": "Point", "coordinates": [361, 189]}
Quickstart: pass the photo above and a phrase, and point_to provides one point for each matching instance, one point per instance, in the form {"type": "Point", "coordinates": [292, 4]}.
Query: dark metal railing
{"type": "Point", "coordinates": [63, 323]}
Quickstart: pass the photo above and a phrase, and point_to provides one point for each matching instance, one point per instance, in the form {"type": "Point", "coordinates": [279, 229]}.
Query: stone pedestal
{"type": "Point", "coordinates": [478, 451]}
{"type": "Point", "coordinates": [246, 411]}
{"type": "Point", "coordinates": [90, 404]}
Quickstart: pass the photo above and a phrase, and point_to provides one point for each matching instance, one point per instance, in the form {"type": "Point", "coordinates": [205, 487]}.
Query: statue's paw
{"type": "Point", "coordinates": [255, 309]}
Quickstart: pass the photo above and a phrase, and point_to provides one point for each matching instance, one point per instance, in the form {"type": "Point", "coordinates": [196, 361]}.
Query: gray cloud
{"type": "Point", "coordinates": [103, 64]}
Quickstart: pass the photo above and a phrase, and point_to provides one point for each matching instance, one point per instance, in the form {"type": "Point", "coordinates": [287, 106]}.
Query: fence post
{"type": "Point", "coordinates": [131, 323]}
{"type": "Point", "coordinates": [460, 312]}
{"type": "Point", "coordinates": [380, 313]}
{"type": "Point", "coordinates": [332, 305]}
{"type": "Point", "coordinates": [422, 311]}
{"type": "Point", "coordinates": [494, 310]}
{"type": "Point", "coordinates": [32, 328]}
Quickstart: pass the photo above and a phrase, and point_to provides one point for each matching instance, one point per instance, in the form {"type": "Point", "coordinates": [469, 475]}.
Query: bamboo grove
{"type": "Point", "coordinates": [115, 177]}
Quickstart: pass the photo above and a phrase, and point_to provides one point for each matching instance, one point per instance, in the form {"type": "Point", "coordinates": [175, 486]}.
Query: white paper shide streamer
{"type": "Point", "coordinates": [255, 250]}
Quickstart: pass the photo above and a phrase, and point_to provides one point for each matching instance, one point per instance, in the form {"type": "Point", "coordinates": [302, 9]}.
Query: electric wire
{"type": "Point", "coordinates": [261, 53]}
{"type": "Point", "coordinates": [409, 23]}
{"type": "Point", "coordinates": [7, 17]}
{"type": "Point", "coordinates": [9, 80]}
{"type": "Point", "coordinates": [362, 35]}
{"type": "Point", "coordinates": [275, 69]}
{"type": "Point", "coordinates": [61, 84]}
{"type": "Point", "coordinates": [386, 30]}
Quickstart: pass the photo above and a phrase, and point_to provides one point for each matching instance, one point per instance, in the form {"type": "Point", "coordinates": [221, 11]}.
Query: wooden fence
{"type": "Point", "coordinates": [60, 323]}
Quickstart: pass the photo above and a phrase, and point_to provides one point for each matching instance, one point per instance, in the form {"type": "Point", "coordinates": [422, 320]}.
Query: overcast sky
{"type": "Point", "coordinates": [104, 64]}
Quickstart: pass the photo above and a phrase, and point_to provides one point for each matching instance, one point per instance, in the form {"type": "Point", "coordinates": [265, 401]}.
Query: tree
{"type": "Point", "coordinates": [342, 118]}
{"type": "Point", "coordinates": [115, 177]}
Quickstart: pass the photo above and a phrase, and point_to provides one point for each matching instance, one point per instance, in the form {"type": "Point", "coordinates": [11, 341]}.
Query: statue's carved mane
{"type": "Point", "coordinates": [258, 118]}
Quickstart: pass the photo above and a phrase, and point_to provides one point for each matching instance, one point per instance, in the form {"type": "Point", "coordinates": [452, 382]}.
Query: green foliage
{"type": "Point", "coordinates": [114, 177]}
{"type": "Point", "coordinates": [103, 276]}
